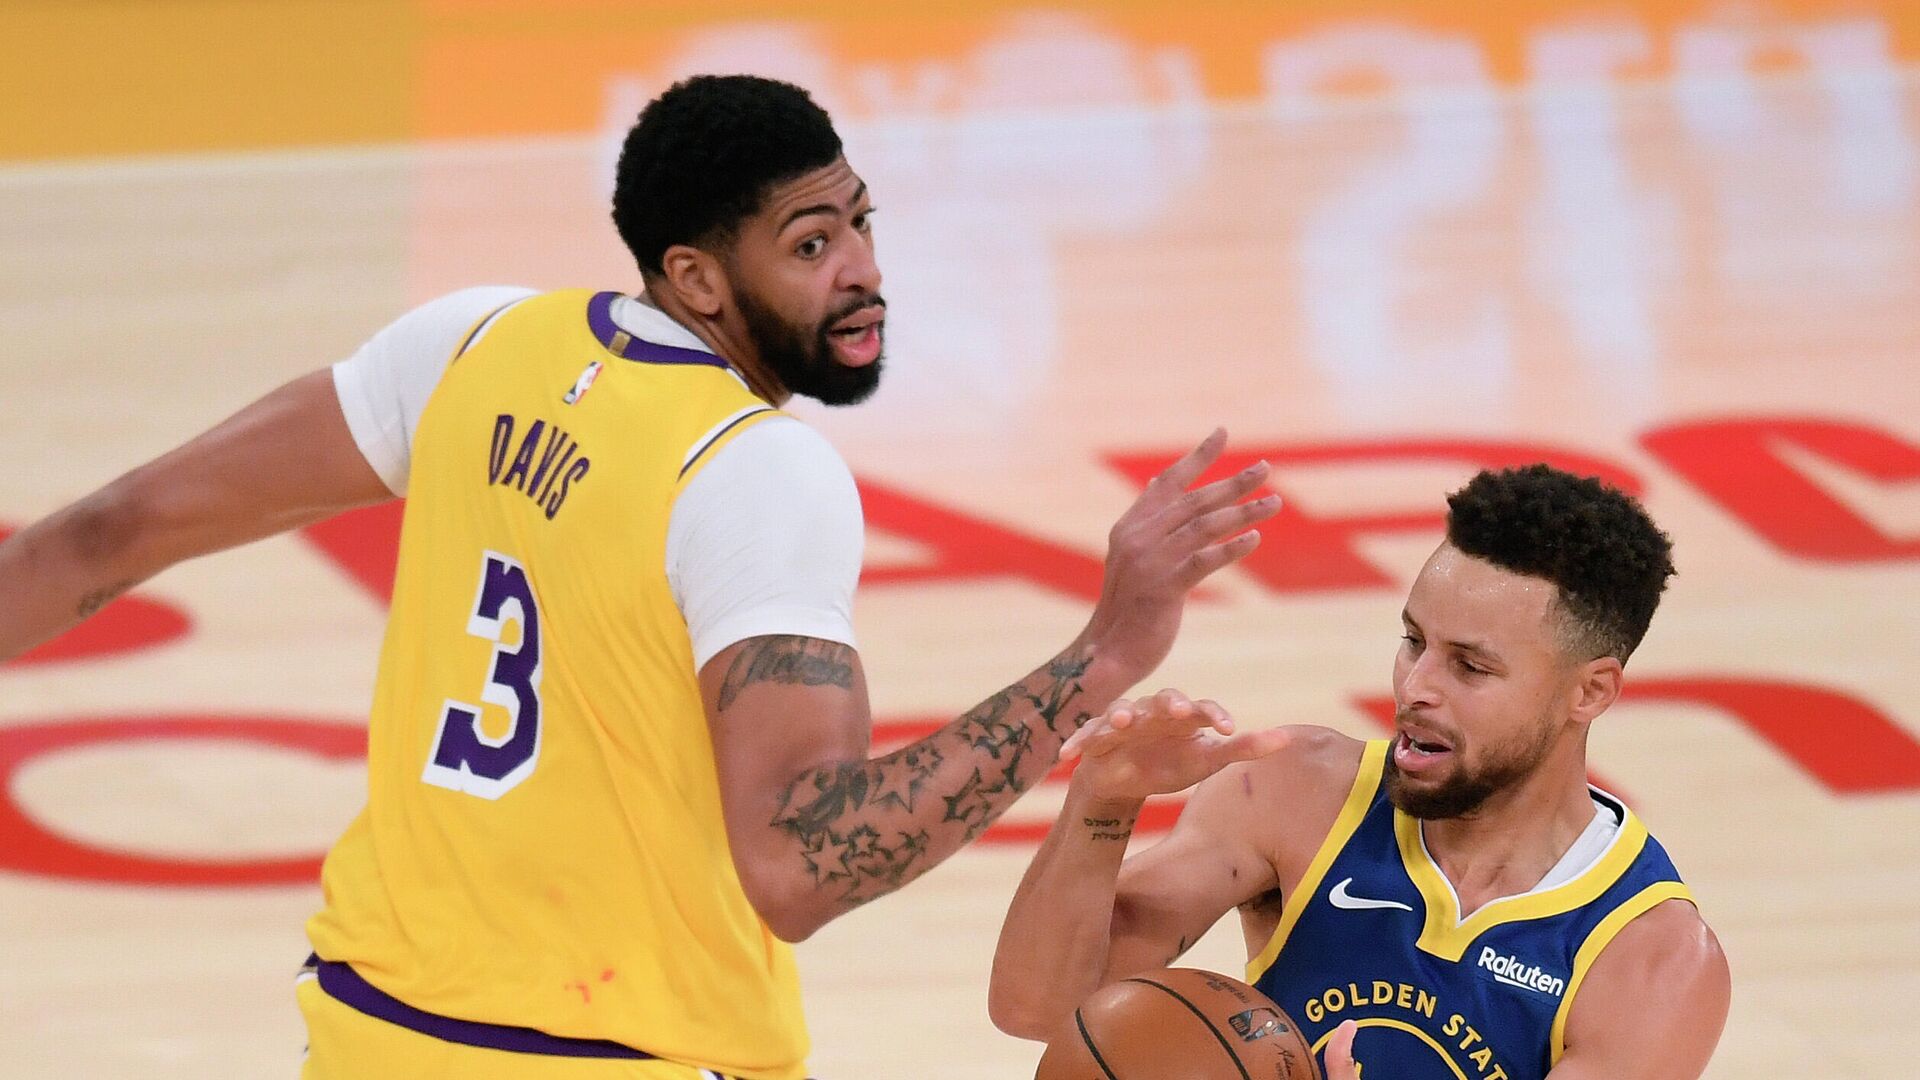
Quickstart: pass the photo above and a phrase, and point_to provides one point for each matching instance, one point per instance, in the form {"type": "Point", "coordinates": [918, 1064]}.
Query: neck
{"type": "Point", "coordinates": [1508, 844]}
{"type": "Point", "coordinates": [729, 342]}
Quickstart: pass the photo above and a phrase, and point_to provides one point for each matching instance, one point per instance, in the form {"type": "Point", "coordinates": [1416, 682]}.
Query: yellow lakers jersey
{"type": "Point", "coordinates": [543, 843]}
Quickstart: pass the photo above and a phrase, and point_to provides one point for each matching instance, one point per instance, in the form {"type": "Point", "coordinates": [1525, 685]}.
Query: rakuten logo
{"type": "Point", "coordinates": [1510, 970]}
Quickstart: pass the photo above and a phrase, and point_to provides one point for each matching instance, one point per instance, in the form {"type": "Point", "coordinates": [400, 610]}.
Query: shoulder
{"type": "Point", "coordinates": [777, 486]}
{"type": "Point", "coordinates": [776, 451]}
{"type": "Point", "coordinates": [1669, 943]}
{"type": "Point", "coordinates": [454, 314]}
{"type": "Point", "coordinates": [1657, 993]}
{"type": "Point", "coordinates": [1316, 767]}
{"type": "Point", "coordinates": [427, 336]}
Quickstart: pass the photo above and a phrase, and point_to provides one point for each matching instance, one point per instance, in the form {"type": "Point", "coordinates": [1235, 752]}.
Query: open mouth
{"type": "Point", "coordinates": [1417, 750]}
{"type": "Point", "coordinates": [857, 338]}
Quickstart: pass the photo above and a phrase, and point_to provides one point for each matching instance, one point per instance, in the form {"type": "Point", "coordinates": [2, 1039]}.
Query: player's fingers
{"type": "Point", "coordinates": [1198, 566]}
{"type": "Point", "coordinates": [1077, 742]}
{"type": "Point", "coordinates": [1103, 742]}
{"type": "Point", "coordinates": [1339, 1053]}
{"type": "Point", "coordinates": [1210, 497]}
{"type": "Point", "coordinates": [1217, 717]}
{"type": "Point", "coordinates": [1249, 745]}
{"type": "Point", "coordinates": [1226, 521]}
{"type": "Point", "coordinates": [1171, 709]}
{"type": "Point", "coordinates": [1175, 479]}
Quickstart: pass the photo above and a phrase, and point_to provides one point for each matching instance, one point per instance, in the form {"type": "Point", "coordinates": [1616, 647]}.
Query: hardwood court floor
{"type": "Point", "coordinates": [1710, 291]}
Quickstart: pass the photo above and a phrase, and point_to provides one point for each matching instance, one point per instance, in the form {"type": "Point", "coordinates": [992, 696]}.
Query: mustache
{"type": "Point", "coordinates": [854, 307]}
{"type": "Point", "coordinates": [1403, 717]}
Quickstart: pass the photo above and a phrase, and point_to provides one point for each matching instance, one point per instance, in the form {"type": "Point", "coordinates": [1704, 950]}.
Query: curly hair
{"type": "Point", "coordinates": [1606, 557]}
{"type": "Point", "coordinates": [704, 155]}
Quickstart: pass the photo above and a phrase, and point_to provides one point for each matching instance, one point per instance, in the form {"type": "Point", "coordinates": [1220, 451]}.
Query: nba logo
{"type": "Point", "coordinates": [1256, 1024]}
{"type": "Point", "coordinates": [583, 383]}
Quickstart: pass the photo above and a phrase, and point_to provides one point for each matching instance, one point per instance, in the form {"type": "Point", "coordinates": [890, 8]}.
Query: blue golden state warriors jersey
{"type": "Point", "coordinates": [1373, 934]}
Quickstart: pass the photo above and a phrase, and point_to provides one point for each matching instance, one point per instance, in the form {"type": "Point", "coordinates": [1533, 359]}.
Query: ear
{"type": "Point", "coordinates": [697, 280]}
{"type": "Point", "coordinates": [1596, 687]}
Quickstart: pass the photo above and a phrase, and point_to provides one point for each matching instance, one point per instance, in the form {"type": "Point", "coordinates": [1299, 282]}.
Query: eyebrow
{"type": "Point", "coordinates": [824, 208]}
{"type": "Point", "coordinates": [1475, 647]}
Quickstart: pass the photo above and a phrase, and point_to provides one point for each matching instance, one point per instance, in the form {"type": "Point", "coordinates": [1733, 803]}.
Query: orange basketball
{"type": "Point", "coordinates": [1180, 1024]}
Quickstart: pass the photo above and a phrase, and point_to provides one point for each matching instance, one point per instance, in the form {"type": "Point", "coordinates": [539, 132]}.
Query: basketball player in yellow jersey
{"type": "Point", "coordinates": [618, 751]}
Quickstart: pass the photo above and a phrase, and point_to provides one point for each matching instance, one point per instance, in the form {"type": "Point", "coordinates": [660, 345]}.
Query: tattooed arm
{"type": "Point", "coordinates": [815, 842]}
{"type": "Point", "coordinates": [818, 828]}
{"type": "Point", "coordinates": [284, 461]}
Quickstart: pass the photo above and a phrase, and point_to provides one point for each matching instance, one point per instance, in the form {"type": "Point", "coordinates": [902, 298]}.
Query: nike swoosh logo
{"type": "Point", "coordinates": [1346, 901]}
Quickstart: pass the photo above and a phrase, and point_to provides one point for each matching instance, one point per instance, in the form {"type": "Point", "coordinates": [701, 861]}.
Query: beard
{"type": "Point", "coordinates": [1467, 789]}
{"type": "Point", "coordinates": [802, 358]}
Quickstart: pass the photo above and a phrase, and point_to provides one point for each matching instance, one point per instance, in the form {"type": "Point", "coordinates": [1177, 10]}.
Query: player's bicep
{"type": "Point", "coordinates": [1653, 1004]}
{"type": "Point", "coordinates": [779, 707]}
{"type": "Point", "coordinates": [763, 554]}
{"type": "Point", "coordinates": [1173, 892]}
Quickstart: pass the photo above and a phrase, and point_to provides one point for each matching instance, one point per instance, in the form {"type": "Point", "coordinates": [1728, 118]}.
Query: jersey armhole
{"type": "Point", "coordinates": [1373, 762]}
{"type": "Point", "coordinates": [480, 327]}
{"type": "Point", "coordinates": [719, 435]}
{"type": "Point", "coordinates": [1609, 928]}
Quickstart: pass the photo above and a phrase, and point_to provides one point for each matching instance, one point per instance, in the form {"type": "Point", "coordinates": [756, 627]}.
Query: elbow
{"type": "Point", "coordinates": [792, 913]}
{"type": "Point", "coordinates": [792, 926]}
{"type": "Point", "coordinates": [1021, 1020]}
{"type": "Point", "coordinates": [1022, 1012]}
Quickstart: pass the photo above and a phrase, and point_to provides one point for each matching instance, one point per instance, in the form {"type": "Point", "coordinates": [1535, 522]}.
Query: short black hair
{"type": "Point", "coordinates": [704, 155]}
{"type": "Point", "coordinates": [1595, 543]}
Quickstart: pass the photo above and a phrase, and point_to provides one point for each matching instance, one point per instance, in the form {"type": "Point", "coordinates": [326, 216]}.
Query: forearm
{"type": "Point", "coordinates": [855, 831]}
{"type": "Point", "coordinates": [67, 566]}
{"type": "Point", "coordinates": [287, 460]}
{"type": "Point", "coordinates": [1055, 943]}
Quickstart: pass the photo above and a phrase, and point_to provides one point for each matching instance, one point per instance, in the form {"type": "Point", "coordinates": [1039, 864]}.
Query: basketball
{"type": "Point", "coordinates": [1180, 1024]}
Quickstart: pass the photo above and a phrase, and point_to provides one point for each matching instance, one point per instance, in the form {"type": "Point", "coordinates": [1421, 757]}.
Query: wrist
{"type": "Point", "coordinates": [1085, 799]}
{"type": "Point", "coordinates": [1107, 676]}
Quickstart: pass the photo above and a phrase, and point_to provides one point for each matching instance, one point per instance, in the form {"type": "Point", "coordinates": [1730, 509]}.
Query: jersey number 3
{"type": "Point", "coordinates": [464, 757]}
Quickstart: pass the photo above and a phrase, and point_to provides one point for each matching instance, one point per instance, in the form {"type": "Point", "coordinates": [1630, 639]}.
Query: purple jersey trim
{"type": "Point", "coordinates": [345, 985]}
{"type": "Point", "coordinates": [694, 458]}
{"type": "Point", "coordinates": [600, 320]}
{"type": "Point", "coordinates": [482, 325]}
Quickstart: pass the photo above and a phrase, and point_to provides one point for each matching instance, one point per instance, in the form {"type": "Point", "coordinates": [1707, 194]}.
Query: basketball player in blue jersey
{"type": "Point", "coordinates": [618, 754]}
{"type": "Point", "coordinates": [1453, 902]}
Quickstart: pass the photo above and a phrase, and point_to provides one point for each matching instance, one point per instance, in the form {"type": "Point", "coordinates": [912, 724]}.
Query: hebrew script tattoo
{"type": "Point", "coordinates": [1117, 829]}
{"type": "Point", "coordinates": [866, 828]}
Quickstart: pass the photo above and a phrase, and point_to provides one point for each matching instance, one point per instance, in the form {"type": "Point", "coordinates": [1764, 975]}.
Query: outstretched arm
{"type": "Point", "coordinates": [813, 842]}
{"type": "Point", "coordinates": [818, 828]}
{"type": "Point", "coordinates": [284, 461]}
{"type": "Point", "coordinates": [1081, 918]}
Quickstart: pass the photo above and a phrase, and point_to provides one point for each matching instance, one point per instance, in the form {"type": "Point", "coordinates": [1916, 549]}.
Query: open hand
{"type": "Point", "coordinates": [1161, 744]}
{"type": "Point", "coordinates": [1167, 542]}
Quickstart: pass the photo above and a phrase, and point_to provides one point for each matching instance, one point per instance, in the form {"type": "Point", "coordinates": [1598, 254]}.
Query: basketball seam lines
{"type": "Point", "coordinates": [1192, 1008]}
{"type": "Point", "coordinates": [1092, 1049]}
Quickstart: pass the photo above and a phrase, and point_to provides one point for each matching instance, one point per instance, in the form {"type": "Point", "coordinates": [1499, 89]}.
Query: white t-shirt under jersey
{"type": "Point", "coordinates": [765, 539]}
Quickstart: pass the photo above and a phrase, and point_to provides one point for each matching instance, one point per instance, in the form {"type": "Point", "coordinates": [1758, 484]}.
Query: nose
{"type": "Point", "coordinates": [1416, 686]}
{"type": "Point", "coordinates": [861, 271]}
